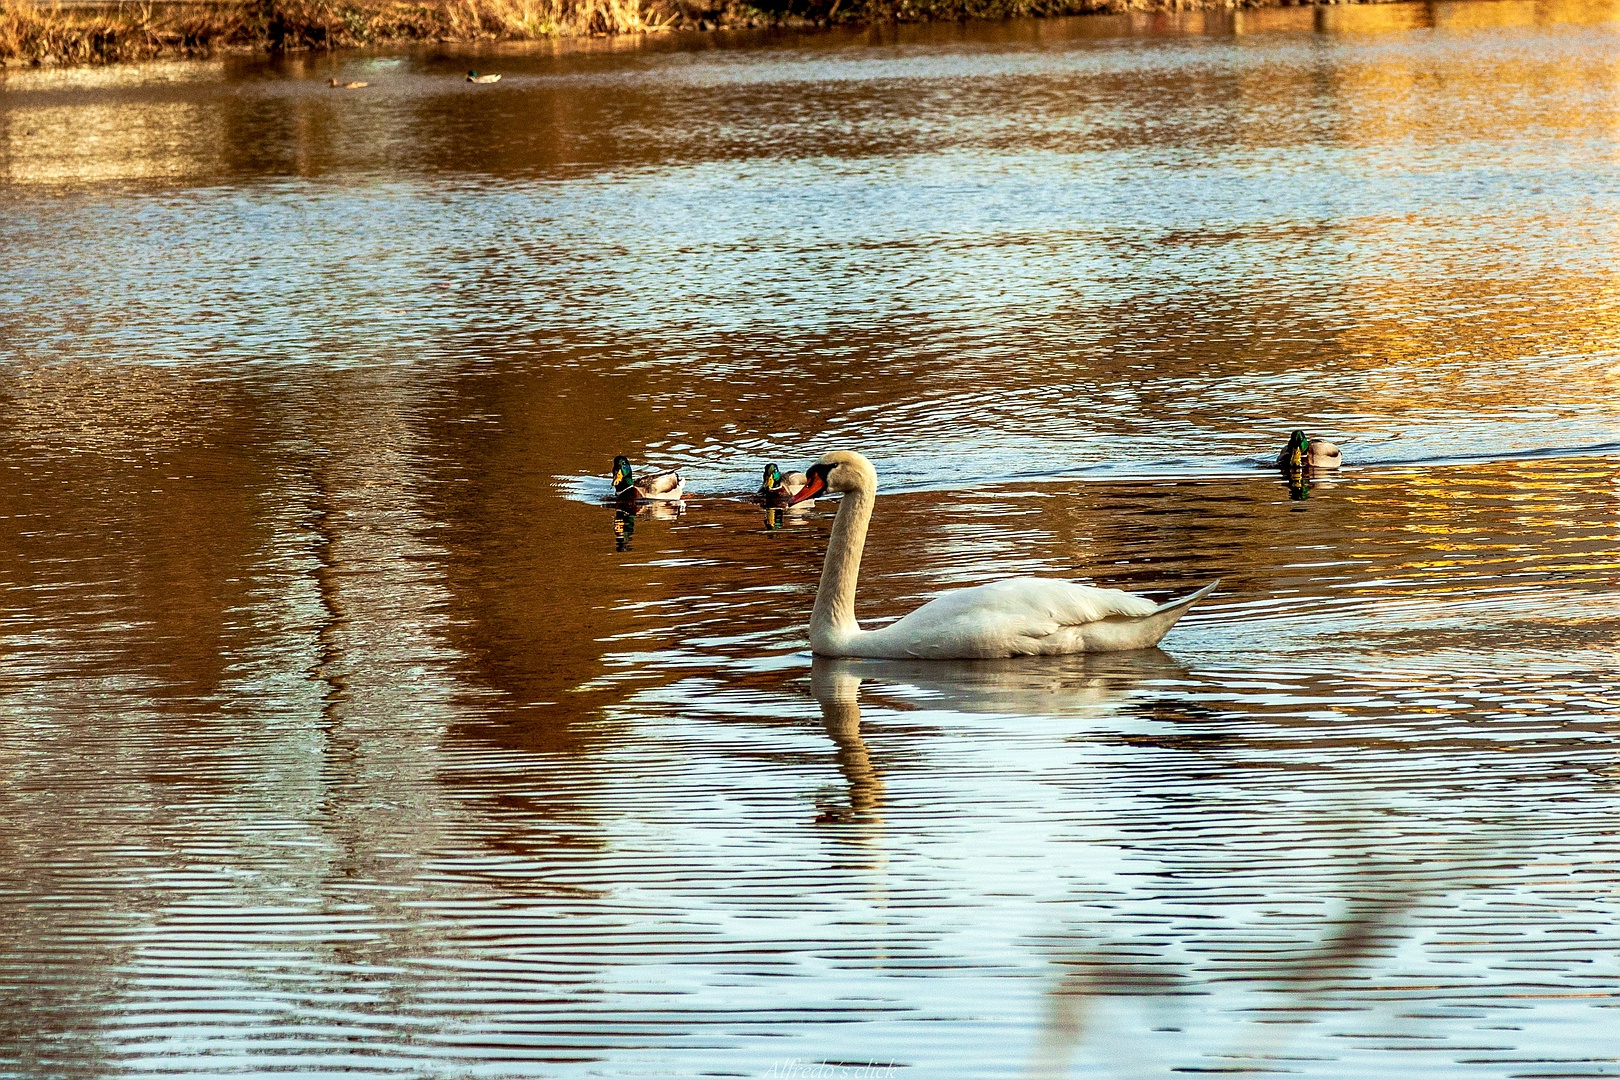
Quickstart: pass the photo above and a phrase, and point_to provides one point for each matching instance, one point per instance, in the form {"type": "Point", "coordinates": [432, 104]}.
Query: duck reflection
{"type": "Point", "coordinates": [624, 519]}
{"type": "Point", "coordinates": [776, 517]}
{"type": "Point", "coordinates": [1302, 481]}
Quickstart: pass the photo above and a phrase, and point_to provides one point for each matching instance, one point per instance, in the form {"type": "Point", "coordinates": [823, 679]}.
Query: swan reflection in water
{"type": "Point", "coordinates": [1043, 685]}
{"type": "Point", "coordinates": [1021, 685]}
{"type": "Point", "coordinates": [835, 684]}
{"type": "Point", "coordinates": [1091, 967]}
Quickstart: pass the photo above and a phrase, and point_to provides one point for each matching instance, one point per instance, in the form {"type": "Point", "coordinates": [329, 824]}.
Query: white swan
{"type": "Point", "coordinates": [1016, 617]}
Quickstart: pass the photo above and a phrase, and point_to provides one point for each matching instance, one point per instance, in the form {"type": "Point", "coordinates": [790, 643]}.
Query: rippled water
{"type": "Point", "coordinates": [344, 730]}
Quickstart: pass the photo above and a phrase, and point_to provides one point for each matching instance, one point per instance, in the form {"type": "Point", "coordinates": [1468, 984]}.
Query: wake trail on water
{"type": "Point", "coordinates": [593, 489]}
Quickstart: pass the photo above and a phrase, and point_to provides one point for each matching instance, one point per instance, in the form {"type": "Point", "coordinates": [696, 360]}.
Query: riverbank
{"type": "Point", "coordinates": [32, 33]}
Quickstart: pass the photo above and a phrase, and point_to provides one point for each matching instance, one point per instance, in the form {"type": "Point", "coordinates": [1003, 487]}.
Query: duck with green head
{"type": "Point", "coordinates": [660, 487]}
{"type": "Point", "coordinates": [473, 76]}
{"type": "Point", "coordinates": [778, 490]}
{"type": "Point", "coordinates": [1304, 452]}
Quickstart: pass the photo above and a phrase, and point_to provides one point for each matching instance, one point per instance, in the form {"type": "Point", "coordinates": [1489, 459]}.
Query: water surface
{"type": "Point", "coordinates": [344, 731]}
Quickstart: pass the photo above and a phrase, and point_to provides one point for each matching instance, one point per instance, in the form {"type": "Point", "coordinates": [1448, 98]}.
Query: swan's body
{"type": "Point", "coordinates": [1015, 617]}
{"type": "Point", "coordinates": [473, 76]}
{"type": "Point", "coordinates": [660, 487]}
{"type": "Point", "coordinates": [778, 489]}
{"type": "Point", "coordinates": [1304, 452]}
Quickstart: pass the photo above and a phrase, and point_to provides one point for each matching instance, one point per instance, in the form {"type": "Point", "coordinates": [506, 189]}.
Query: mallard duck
{"type": "Point", "coordinates": [660, 487]}
{"type": "Point", "coordinates": [347, 85]}
{"type": "Point", "coordinates": [473, 76]}
{"type": "Point", "coordinates": [778, 490]}
{"type": "Point", "coordinates": [1304, 452]}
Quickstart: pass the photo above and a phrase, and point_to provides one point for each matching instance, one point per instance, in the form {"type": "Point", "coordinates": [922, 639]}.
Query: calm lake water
{"type": "Point", "coordinates": [343, 730]}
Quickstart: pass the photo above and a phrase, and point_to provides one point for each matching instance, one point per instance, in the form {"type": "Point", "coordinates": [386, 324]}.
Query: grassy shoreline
{"type": "Point", "coordinates": [96, 33]}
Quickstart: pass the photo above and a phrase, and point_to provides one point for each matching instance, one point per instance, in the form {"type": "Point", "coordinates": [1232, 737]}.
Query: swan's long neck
{"type": "Point", "coordinates": [833, 620]}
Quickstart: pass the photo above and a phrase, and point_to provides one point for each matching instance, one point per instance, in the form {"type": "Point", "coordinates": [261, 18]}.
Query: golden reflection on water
{"type": "Point", "coordinates": [81, 143]}
{"type": "Point", "coordinates": [179, 121]}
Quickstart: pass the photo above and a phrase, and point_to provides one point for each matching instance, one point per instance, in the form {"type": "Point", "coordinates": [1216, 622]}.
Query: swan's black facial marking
{"type": "Point", "coordinates": [815, 483]}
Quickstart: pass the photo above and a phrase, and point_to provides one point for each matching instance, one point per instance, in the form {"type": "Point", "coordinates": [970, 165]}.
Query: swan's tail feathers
{"type": "Point", "coordinates": [1187, 601]}
{"type": "Point", "coordinates": [1124, 632]}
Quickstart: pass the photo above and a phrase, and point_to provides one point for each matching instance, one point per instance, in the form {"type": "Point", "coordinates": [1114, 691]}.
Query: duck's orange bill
{"type": "Point", "coordinates": [815, 486]}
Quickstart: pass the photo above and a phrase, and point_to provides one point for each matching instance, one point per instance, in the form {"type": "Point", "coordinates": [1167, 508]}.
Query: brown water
{"type": "Point", "coordinates": [343, 730]}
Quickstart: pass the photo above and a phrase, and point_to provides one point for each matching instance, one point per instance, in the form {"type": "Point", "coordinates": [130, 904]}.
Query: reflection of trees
{"type": "Point", "coordinates": [127, 552]}
{"type": "Point", "coordinates": [533, 582]}
{"type": "Point", "coordinates": [327, 668]}
{"type": "Point", "coordinates": [1310, 974]}
{"type": "Point", "coordinates": [227, 601]}
{"type": "Point", "coordinates": [130, 538]}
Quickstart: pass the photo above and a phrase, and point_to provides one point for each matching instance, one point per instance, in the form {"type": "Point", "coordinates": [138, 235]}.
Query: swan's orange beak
{"type": "Point", "coordinates": [816, 483]}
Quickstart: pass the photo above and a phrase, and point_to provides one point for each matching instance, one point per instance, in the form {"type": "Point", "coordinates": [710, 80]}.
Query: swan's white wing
{"type": "Point", "coordinates": [1015, 617]}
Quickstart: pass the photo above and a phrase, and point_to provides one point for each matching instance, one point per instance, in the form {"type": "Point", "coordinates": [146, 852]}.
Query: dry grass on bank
{"type": "Point", "coordinates": [80, 35]}
{"type": "Point", "coordinates": [137, 31]}
{"type": "Point", "coordinates": [142, 29]}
